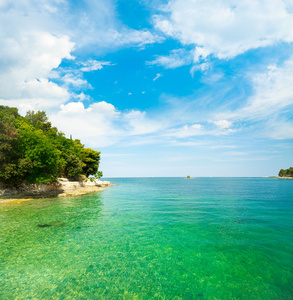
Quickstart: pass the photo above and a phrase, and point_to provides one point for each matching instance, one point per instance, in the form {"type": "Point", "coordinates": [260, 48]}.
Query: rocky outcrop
{"type": "Point", "coordinates": [62, 188]}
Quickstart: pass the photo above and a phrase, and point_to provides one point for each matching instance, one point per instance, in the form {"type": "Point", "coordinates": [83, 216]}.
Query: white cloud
{"type": "Point", "coordinates": [97, 28]}
{"type": "Point", "coordinates": [138, 123]}
{"type": "Point", "coordinates": [95, 125]}
{"type": "Point", "coordinates": [81, 97]}
{"type": "Point", "coordinates": [39, 35]}
{"type": "Point", "coordinates": [226, 28]}
{"type": "Point", "coordinates": [267, 111]}
{"type": "Point", "coordinates": [158, 76]}
{"type": "Point", "coordinates": [200, 53]}
{"type": "Point", "coordinates": [187, 131]}
{"type": "Point", "coordinates": [93, 65]}
{"type": "Point", "coordinates": [278, 129]}
{"type": "Point", "coordinates": [105, 109]}
{"type": "Point", "coordinates": [138, 38]}
{"type": "Point", "coordinates": [36, 95]}
{"type": "Point", "coordinates": [177, 143]}
{"type": "Point", "coordinates": [177, 58]}
{"type": "Point", "coordinates": [200, 67]}
{"type": "Point", "coordinates": [73, 107]}
{"type": "Point", "coordinates": [75, 80]}
{"type": "Point", "coordinates": [28, 56]}
{"type": "Point", "coordinates": [272, 93]}
{"type": "Point", "coordinates": [101, 124]}
{"type": "Point", "coordinates": [235, 153]}
{"type": "Point", "coordinates": [223, 124]}
{"type": "Point", "coordinates": [33, 55]}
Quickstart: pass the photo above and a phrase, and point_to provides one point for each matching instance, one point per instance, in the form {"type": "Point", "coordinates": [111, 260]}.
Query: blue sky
{"type": "Point", "coordinates": [161, 88]}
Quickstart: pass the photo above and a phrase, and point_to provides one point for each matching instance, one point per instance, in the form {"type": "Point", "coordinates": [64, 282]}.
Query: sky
{"type": "Point", "coordinates": [160, 87]}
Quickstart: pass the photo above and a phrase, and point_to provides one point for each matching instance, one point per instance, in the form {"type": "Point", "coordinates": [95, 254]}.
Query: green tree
{"type": "Point", "coordinates": [73, 166]}
{"type": "Point", "coordinates": [282, 173]}
{"type": "Point", "coordinates": [8, 137]}
{"type": "Point", "coordinates": [286, 173]}
{"type": "Point", "coordinates": [8, 133]}
{"type": "Point", "coordinates": [33, 151]}
{"type": "Point", "coordinates": [39, 158]}
{"type": "Point", "coordinates": [35, 117]}
{"type": "Point", "coordinates": [90, 159]}
{"type": "Point", "coordinates": [39, 120]}
{"type": "Point", "coordinates": [99, 174]}
{"type": "Point", "coordinates": [289, 172]}
{"type": "Point", "coordinates": [69, 162]}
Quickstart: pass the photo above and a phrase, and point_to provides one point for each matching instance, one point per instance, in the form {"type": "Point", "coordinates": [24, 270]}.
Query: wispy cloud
{"type": "Point", "coordinates": [272, 97]}
{"type": "Point", "coordinates": [198, 130]}
{"type": "Point", "coordinates": [235, 153]}
{"type": "Point", "coordinates": [158, 76]}
{"type": "Point", "coordinates": [226, 29]}
{"type": "Point", "coordinates": [175, 59]}
{"type": "Point", "coordinates": [187, 131]}
{"type": "Point", "coordinates": [75, 80]}
{"type": "Point", "coordinates": [223, 124]}
{"type": "Point", "coordinates": [272, 92]}
{"type": "Point", "coordinates": [93, 65]}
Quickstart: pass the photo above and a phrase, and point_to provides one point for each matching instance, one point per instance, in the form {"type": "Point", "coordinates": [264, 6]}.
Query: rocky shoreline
{"type": "Point", "coordinates": [62, 188]}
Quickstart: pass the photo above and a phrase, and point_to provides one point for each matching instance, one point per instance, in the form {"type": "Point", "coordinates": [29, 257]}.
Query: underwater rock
{"type": "Point", "coordinates": [52, 224]}
{"type": "Point", "coordinates": [44, 225]}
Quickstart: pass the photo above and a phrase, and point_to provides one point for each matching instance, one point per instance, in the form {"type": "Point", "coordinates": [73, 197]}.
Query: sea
{"type": "Point", "coordinates": [152, 238]}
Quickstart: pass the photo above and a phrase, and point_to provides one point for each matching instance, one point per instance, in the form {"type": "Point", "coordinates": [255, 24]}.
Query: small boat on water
{"type": "Point", "coordinates": [188, 176]}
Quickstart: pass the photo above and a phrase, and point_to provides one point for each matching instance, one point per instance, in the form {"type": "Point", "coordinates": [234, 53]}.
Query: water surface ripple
{"type": "Point", "coordinates": [152, 238]}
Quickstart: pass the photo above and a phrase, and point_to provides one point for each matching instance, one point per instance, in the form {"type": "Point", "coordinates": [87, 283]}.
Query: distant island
{"type": "Point", "coordinates": [287, 173]}
{"type": "Point", "coordinates": [32, 152]}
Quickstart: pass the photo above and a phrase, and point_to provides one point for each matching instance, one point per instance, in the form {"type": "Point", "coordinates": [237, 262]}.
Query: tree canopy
{"type": "Point", "coordinates": [32, 151]}
{"type": "Point", "coordinates": [286, 172]}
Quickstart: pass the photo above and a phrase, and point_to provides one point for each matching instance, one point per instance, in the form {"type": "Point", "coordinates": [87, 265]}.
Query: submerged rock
{"type": "Point", "coordinates": [44, 225]}
{"type": "Point", "coordinates": [52, 224]}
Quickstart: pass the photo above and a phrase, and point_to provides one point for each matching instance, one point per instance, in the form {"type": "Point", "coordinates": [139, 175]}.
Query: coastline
{"type": "Point", "coordinates": [62, 188]}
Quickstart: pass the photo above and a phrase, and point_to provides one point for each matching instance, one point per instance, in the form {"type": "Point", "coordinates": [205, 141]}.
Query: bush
{"type": "Point", "coordinates": [33, 151]}
{"type": "Point", "coordinates": [286, 173]}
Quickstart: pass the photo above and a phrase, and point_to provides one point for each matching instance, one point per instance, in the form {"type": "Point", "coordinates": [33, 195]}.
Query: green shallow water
{"type": "Point", "coordinates": [153, 238]}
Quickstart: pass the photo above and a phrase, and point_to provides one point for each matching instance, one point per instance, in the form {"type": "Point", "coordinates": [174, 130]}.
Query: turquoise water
{"type": "Point", "coordinates": [152, 238]}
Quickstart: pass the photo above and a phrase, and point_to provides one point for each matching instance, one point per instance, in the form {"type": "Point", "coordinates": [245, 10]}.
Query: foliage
{"type": "Point", "coordinates": [8, 137]}
{"type": "Point", "coordinates": [36, 153]}
{"type": "Point", "coordinates": [73, 166]}
{"type": "Point", "coordinates": [8, 132]}
{"type": "Point", "coordinates": [36, 117]}
{"type": "Point", "coordinates": [33, 151]}
{"type": "Point", "coordinates": [99, 174]}
{"type": "Point", "coordinates": [286, 173]}
{"type": "Point", "coordinates": [90, 159]}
